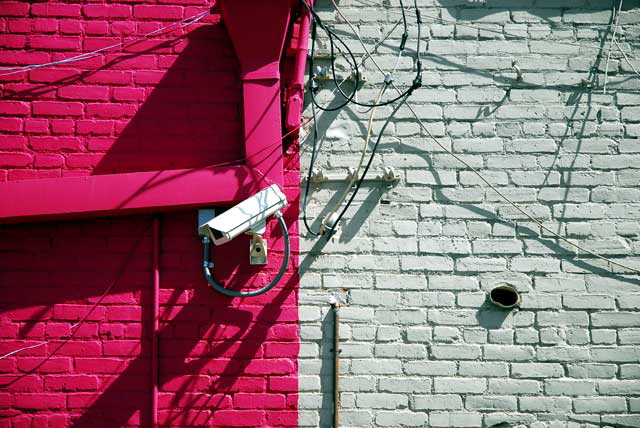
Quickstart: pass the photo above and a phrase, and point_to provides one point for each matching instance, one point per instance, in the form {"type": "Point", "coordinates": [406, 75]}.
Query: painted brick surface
{"type": "Point", "coordinates": [170, 102]}
{"type": "Point", "coordinates": [421, 346]}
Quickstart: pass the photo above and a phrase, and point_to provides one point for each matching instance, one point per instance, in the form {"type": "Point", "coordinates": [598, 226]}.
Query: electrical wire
{"type": "Point", "coordinates": [388, 79]}
{"type": "Point", "coordinates": [88, 55]}
{"type": "Point", "coordinates": [626, 58]}
{"type": "Point", "coordinates": [328, 218]}
{"type": "Point", "coordinates": [305, 195]}
{"type": "Point", "coordinates": [494, 188]}
{"type": "Point", "coordinates": [403, 41]}
{"type": "Point", "coordinates": [416, 84]}
{"type": "Point", "coordinates": [614, 23]}
{"type": "Point", "coordinates": [315, 23]}
{"type": "Point", "coordinates": [349, 98]}
{"type": "Point", "coordinates": [233, 293]}
{"type": "Point", "coordinates": [335, 224]}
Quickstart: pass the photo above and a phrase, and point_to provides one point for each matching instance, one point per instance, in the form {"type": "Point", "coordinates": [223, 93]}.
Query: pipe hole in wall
{"type": "Point", "coordinates": [505, 296]}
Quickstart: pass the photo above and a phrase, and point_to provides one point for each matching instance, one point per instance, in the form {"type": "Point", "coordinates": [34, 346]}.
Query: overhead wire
{"type": "Point", "coordinates": [348, 98]}
{"type": "Point", "coordinates": [611, 262]}
{"type": "Point", "coordinates": [388, 78]}
{"type": "Point", "coordinates": [125, 43]}
{"type": "Point", "coordinates": [329, 220]}
{"type": "Point", "coordinates": [315, 147]}
{"type": "Point", "coordinates": [614, 24]}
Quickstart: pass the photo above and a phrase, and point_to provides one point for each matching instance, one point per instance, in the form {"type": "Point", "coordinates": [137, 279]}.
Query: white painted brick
{"type": "Point", "coordinates": [455, 419]}
{"type": "Point", "coordinates": [492, 403]}
{"type": "Point", "coordinates": [406, 419]}
{"type": "Point", "coordinates": [545, 404]}
{"type": "Point", "coordinates": [437, 402]}
{"type": "Point", "coordinates": [431, 368]}
{"type": "Point", "coordinates": [420, 256]}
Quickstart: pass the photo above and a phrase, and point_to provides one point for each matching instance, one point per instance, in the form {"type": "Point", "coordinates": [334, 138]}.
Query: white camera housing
{"type": "Point", "coordinates": [247, 215]}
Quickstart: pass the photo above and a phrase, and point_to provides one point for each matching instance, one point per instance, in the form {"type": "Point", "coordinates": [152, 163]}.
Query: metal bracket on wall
{"type": "Point", "coordinates": [388, 176]}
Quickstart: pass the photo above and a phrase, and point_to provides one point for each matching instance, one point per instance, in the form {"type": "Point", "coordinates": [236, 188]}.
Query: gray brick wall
{"type": "Point", "coordinates": [421, 346]}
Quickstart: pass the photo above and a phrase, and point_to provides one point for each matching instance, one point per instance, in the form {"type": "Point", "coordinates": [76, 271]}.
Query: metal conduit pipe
{"type": "Point", "coordinates": [155, 324]}
{"type": "Point", "coordinates": [336, 363]}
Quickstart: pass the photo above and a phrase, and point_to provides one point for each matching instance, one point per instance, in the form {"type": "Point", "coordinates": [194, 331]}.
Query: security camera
{"type": "Point", "coordinates": [249, 214]}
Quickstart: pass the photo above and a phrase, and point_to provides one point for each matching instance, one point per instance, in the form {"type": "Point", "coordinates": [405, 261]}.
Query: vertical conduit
{"type": "Point", "coordinates": [154, 332]}
{"type": "Point", "coordinates": [336, 364]}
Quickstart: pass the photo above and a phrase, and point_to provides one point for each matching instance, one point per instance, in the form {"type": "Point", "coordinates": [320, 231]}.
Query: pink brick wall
{"type": "Point", "coordinates": [174, 102]}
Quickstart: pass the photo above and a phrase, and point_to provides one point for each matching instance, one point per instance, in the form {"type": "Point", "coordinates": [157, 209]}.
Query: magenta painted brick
{"type": "Point", "coordinates": [15, 159]}
{"type": "Point", "coordinates": [23, 58]}
{"type": "Point", "coordinates": [159, 12]}
{"type": "Point", "coordinates": [239, 418]}
{"type": "Point", "coordinates": [11, 124]}
{"type": "Point", "coordinates": [55, 144]}
{"type": "Point", "coordinates": [45, 25]}
{"type": "Point", "coordinates": [56, 9]}
{"type": "Point", "coordinates": [70, 27]}
{"type": "Point", "coordinates": [13, 41]}
{"type": "Point", "coordinates": [14, 108]}
{"type": "Point", "coordinates": [178, 105]}
{"type": "Point", "coordinates": [96, 28]}
{"type": "Point", "coordinates": [21, 383]}
{"type": "Point", "coordinates": [40, 401]}
{"type": "Point", "coordinates": [83, 160]}
{"type": "Point", "coordinates": [49, 161]}
{"type": "Point", "coordinates": [62, 126]}
{"type": "Point", "coordinates": [71, 383]}
{"type": "Point", "coordinates": [55, 108]}
{"type": "Point", "coordinates": [88, 93]}
{"type": "Point", "coordinates": [54, 43]}
{"type": "Point", "coordinates": [110, 77]}
{"type": "Point", "coordinates": [78, 312]}
{"type": "Point", "coordinates": [259, 401]}
{"type": "Point", "coordinates": [110, 110]}
{"type": "Point", "coordinates": [52, 74]}
{"type": "Point", "coordinates": [52, 365]}
{"type": "Point", "coordinates": [106, 11]}
{"type": "Point", "coordinates": [11, 8]}
{"type": "Point", "coordinates": [12, 142]}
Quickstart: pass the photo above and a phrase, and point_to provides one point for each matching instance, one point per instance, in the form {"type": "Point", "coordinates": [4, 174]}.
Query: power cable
{"type": "Point", "coordinates": [305, 195]}
{"type": "Point", "coordinates": [366, 169]}
{"type": "Point", "coordinates": [614, 24]}
{"type": "Point", "coordinates": [88, 55]}
{"type": "Point", "coordinates": [316, 148]}
{"type": "Point", "coordinates": [349, 98]}
{"type": "Point", "coordinates": [328, 218]}
{"type": "Point", "coordinates": [416, 84]}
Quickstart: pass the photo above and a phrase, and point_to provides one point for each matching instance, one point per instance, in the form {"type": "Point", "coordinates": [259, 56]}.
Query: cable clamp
{"type": "Point", "coordinates": [388, 79]}
{"type": "Point", "coordinates": [403, 41]}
